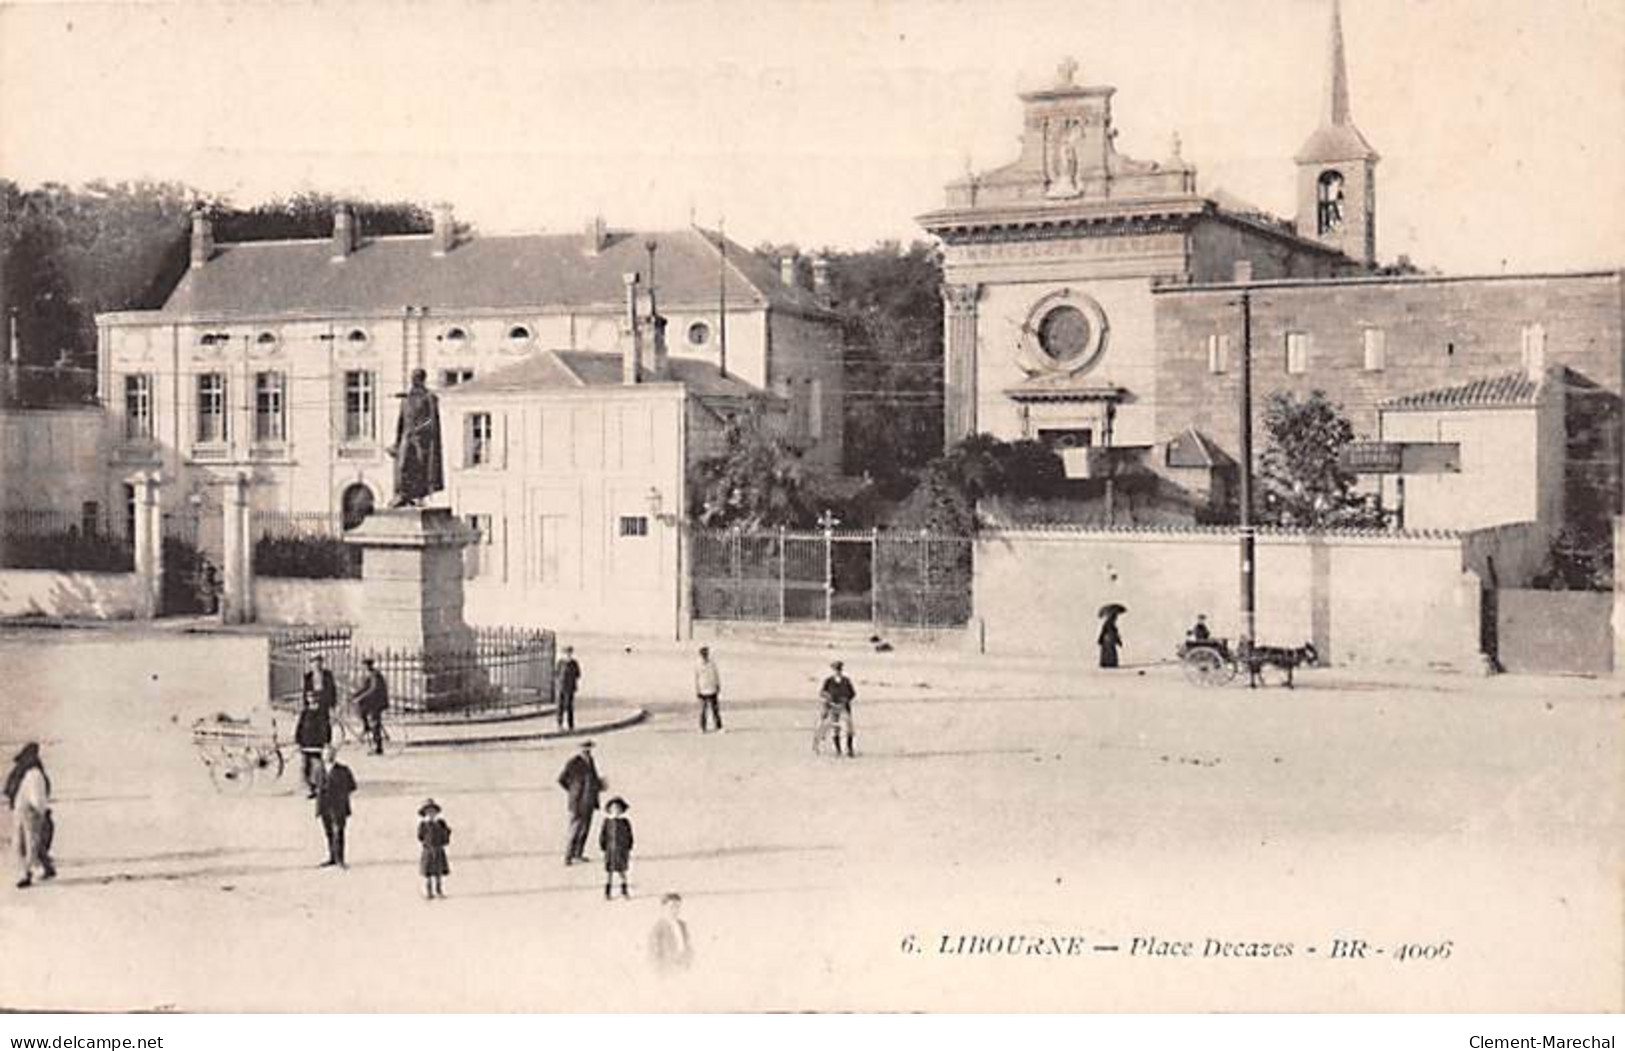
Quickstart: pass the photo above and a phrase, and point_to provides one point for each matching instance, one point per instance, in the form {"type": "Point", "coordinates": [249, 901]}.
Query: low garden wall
{"type": "Point", "coordinates": [288, 600]}
{"type": "Point", "coordinates": [69, 595]}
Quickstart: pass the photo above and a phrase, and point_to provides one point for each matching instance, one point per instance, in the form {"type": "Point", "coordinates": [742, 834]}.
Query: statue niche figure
{"type": "Point", "coordinates": [417, 447]}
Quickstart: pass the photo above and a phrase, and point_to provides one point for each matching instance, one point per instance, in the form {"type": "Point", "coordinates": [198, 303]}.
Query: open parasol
{"type": "Point", "coordinates": [1113, 609]}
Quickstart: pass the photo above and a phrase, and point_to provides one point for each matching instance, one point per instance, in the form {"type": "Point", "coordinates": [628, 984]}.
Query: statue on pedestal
{"type": "Point", "coordinates": [418, 470]}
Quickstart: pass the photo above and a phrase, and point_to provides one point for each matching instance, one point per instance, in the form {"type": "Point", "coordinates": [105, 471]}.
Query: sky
{"type": "Point", "coordinates": [828, 123]}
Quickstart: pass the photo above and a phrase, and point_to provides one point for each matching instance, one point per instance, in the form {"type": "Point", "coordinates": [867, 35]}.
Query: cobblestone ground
{"type": "Point", "coordinates": [989, 798]}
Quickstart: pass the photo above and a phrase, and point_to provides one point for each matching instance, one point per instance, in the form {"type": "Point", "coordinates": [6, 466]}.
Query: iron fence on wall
{"type": "Point", "coordinates": [303, 544]}
{"type": "Point", "coordinates": [88, 540]}
{"type": "Point", "coordinates": [920, 580]}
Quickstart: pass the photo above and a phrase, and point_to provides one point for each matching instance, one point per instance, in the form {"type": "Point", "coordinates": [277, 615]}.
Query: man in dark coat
{"type": "Point", "coordinates": [582, 784]}
{"type": "Point", "coordinates": [418, 470]}
{"type": "Point", "coordinates": [569, 676]}
{"type": "Point", "coordinates": [320, 684]}
{"type": "Point", "coordinates": [333, 804]}
{"type": "Point", "coordinates": [313, 733]}
{"type": "Point", "coordinates": [371, 700]}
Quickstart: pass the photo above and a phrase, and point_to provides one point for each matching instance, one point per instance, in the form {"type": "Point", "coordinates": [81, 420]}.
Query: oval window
{"type": "Point", "coordinates": [699, 334]}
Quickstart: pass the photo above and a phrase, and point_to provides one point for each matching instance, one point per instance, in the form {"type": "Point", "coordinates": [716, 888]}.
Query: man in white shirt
{"type": "Point", "coordinates": [708, 686]}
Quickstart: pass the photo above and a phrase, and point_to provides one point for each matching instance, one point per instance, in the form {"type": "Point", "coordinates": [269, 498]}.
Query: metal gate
{"type": "Point", "coordinates": [913, 580]}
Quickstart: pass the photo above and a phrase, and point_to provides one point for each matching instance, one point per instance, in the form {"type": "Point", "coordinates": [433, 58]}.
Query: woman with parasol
{"type": "Point", "coordinates": [28, 792]}
{"type": "Point", "coordinates": [1110, 638]}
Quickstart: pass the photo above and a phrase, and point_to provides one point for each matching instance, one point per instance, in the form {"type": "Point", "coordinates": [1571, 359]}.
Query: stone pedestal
{"type": "Point", "coordinates": [412, 606]}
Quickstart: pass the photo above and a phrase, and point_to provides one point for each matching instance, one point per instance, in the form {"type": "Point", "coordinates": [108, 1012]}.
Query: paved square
{"type": "Point", "coordinates": [990, 801]}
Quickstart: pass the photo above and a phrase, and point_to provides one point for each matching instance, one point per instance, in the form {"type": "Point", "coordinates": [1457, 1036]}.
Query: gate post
{"type": "Point", "coordinates": [829, 574]}
{"type": "Point", "coordinates": [874, 582]}
{"type": "Point", "coordinates": [237, 554]}
{"type": "Point", "coordinates": [784, 555]}
{"type": "Point", "coordinates": [1619, 595]}
{"type": "Point", "coordinates": [149, 544]}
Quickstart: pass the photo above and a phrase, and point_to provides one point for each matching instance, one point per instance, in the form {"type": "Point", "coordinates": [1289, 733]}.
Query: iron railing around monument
{"type": "Point", "coordinates": [502, 671]}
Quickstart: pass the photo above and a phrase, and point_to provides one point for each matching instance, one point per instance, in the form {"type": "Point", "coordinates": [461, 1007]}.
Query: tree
{"type": "Point", "coordinates": [1301, 480]}
{"type": "Point", "coordinates": [757, 483]}
{"type": "Point", "coordinates": [890, 302]}
{"type": "Point", "coordinates": [979, 467]}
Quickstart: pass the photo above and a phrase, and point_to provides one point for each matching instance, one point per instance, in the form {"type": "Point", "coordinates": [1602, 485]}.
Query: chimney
{"type": "Point", "coordinates": [202, 238]}
{"type": "Point", "coordinates": [444, 237]}
{"type": "Point", "coordinates": [1534, 353]}
{"type": "Point", "coordinates": [1243, 271]}
{"type": "Point", "coordinates": [597, 235]}
{"type": "Point", "coordinates": [632, 348]}
{"type": "Point", "coordinates": [343, 233]}
{"type": "Point", "coordinates": [820, 269]}
{"type": "Point", "coordinates": [787, 271]}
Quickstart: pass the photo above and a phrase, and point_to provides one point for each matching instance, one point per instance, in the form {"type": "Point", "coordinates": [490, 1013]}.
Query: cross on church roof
{"type": "Point", "coordinates": [1067, 71]}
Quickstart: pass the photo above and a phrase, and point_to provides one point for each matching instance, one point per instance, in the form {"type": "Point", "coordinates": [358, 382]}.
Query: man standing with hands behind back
{"type": "Point", "coordinates": [581, 781]}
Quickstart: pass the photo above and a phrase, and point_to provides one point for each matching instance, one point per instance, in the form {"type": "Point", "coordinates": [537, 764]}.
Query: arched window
{"type": "Point", "coordinates": [356, 504]}
{"type": "Point", "coordinates": [265, 338]}
{"type": "Point", "coordinates": [456, 334]}
{"type": "Point", "coordinates": [357, 335]}
{"type": "Point", "coordinates": [519, 334]}
{"type": "Point", "coordinates": [1329, 202]}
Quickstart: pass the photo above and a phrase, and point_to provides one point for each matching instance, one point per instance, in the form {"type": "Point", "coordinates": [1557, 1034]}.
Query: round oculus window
{"type": "Point", "coordinates": [699, 334]}
{"type": "Point", "coordinates": [1065, 334]}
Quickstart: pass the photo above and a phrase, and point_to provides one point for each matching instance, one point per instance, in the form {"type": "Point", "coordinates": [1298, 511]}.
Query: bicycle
{"type": "Point", "coordinates": [349, 731]}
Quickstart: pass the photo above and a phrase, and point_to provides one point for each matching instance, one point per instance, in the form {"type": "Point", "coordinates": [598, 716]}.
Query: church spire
{"type": "Point", "coordinates": [1337, 85]}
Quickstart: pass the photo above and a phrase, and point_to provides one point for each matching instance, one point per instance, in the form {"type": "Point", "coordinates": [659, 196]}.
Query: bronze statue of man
{"type": "Point", "coordinates": [417, 445]}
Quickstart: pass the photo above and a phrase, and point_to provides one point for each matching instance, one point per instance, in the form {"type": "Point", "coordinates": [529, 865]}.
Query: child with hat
{"type": "Point", "coordinates": [615, 840]}
{"type": "Point", "coordinates": [434, 834]}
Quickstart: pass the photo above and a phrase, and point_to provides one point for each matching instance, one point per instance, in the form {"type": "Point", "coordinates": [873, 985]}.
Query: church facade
{"type": "Point", "coordinates": [1095, 302]}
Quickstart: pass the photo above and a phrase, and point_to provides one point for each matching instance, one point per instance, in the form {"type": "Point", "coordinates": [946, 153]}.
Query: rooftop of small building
{"type": "Point", "coordinates": [479, 272]}
{"type": "Point", "coordinates": [1508, 390]}
{"type": "Point", "coordinates": [581, 370]}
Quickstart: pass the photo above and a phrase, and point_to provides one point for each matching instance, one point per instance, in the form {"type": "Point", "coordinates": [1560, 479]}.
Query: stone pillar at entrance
{"type": "Point", "coordinates": [959, 379]}
{"type": "Point", "coordinates": [1619, 595]}
{"type": "Point", "coordinates": [237, 605]}
{"type": "Point", "coordinates": [412, 605]}
{"type": "Point", "coordinates": [149, 543]}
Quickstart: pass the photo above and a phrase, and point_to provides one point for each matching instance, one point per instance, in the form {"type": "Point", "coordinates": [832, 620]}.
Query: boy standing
{"type": "Point", "coordinates": [615, 840]}
{"type": "Point", "coordinates": [837, 693]}
{"type": "Point", "coordinates": [708, 686]}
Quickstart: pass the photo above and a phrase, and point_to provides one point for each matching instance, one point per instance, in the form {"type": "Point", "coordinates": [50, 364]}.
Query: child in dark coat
{"type": "Point", "coordinates": [615, 840]}
{"type": "Point", "coordinates": [434, 834]}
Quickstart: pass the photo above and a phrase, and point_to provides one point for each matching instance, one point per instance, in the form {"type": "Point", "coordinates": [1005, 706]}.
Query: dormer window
{"type": "Point", "coordinates": [1329, 202]}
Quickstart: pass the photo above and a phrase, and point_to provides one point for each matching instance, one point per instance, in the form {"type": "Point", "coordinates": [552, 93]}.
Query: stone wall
{"type": "Point", "coordinates": [87, 596]}
{"type": "Point", "coordinates": [1437, 332]}
{"type": "Point", "coordinates": [1554, 631]}
{"type": "Point", "coordinates": [1361, 599]}
{"type": "Point", "coordinates": [312, 602]}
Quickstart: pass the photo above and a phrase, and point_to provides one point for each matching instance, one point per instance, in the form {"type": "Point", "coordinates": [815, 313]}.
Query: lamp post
{"type": "Point", "coordinates": [673, 520]}
{"type": "Point", "coordinates": [1248, 547]}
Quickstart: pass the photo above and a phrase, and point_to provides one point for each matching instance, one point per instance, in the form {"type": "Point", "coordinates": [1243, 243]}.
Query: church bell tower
{"type": "Point", "coordinates": [1337, 189]}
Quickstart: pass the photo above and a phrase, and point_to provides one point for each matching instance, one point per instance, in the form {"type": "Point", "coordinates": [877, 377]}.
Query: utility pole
{"type": "Point", "coordinates": [1248, 562]}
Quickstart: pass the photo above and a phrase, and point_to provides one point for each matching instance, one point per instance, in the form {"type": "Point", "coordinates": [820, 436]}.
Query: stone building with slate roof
{"type": "Point", "coordinates": [283, 358]}
{"type": "Point", "coordinates": [1093, 300]}
{"type": "Point", "coordinates": [572, 466]}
